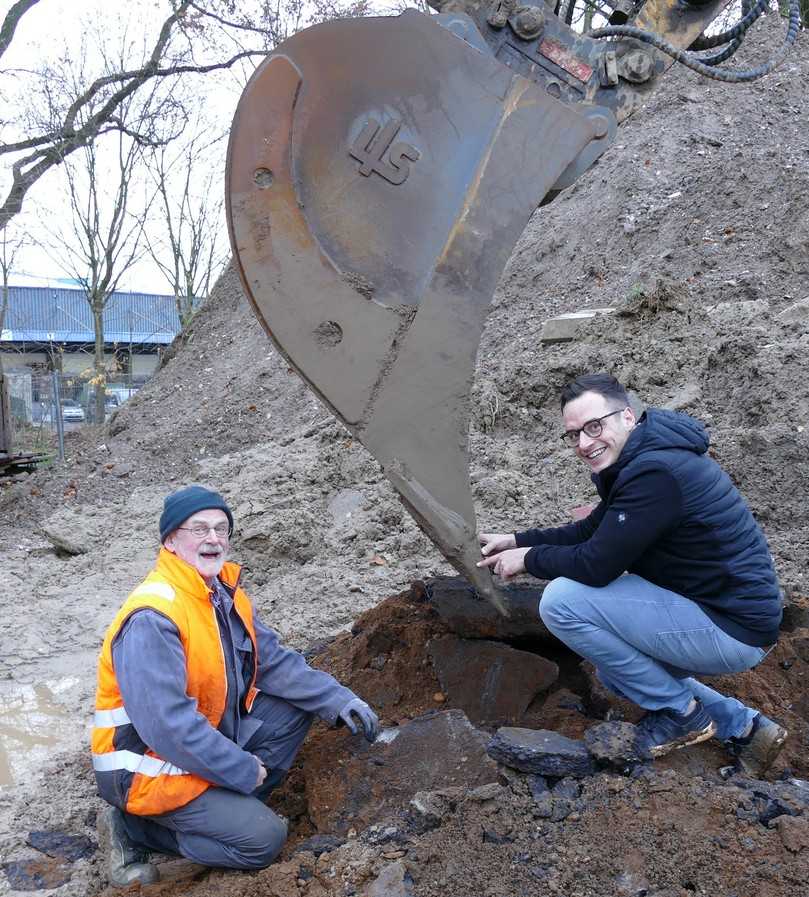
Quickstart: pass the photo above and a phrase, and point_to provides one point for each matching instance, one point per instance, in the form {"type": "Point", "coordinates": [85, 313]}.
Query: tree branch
{"type": "Point", "coordinates": [52, 148]}
{"type": "Point", "coordinates": [12, 19]}
{"type": "Point", "coordinates": [226, 23]}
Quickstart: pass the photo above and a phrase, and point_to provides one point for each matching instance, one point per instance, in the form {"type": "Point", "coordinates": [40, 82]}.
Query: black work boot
{"type": "Point", "coordinates": [128, 862]}
{"type": "Point", "coordinates": [755, 752]}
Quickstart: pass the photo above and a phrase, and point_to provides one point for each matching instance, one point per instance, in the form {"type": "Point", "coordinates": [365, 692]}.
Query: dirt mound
{"type": "Point", "coordinates": [530, 834]}
{"type": "Point", "coordinates": [356, 828]}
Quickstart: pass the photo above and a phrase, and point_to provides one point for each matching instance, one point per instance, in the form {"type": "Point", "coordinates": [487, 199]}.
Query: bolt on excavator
{"type": "Point", "coordinates": [380, 172]}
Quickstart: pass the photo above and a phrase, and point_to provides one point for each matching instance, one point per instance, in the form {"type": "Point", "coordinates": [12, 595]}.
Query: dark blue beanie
{"type": "Point", "coordinates": [180, 505]}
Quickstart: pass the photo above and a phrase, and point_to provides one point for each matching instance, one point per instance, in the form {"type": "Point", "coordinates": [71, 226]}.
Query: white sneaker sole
{"type": "Point", "coordinates": [685, 741]}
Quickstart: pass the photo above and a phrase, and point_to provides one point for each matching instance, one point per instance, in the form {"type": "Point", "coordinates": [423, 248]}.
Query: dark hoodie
{"type": "Point", "coordinates": [670, 514]}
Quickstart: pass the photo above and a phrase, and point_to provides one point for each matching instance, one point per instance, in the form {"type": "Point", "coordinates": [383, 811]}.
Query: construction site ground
{"type": "Point", "coordinates": [695, 228]}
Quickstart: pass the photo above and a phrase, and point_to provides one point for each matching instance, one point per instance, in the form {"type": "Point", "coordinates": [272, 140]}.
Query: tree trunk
{"type": "Point", "coordinates": [188, 309]}
{"type": "Point", "coordinates": [5, 407]}
{"type": "Point", "coordinates": [5, 419]}
{"type": "Point", "coordinates": [3, 307]}
{"type": "Point", "coordinates": [571, 9]}
{"type": "Point", "coordinates": [184, 300]}
{"type": "Point", "coordinates": [100, 377]}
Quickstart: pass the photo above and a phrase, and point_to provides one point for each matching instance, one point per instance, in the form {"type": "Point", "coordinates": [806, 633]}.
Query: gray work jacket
{"type": "Point", "coordinates": [150, 668]}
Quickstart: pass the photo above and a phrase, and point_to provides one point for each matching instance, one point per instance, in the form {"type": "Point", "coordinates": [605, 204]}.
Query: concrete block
{"type": "Point", "coordinates": [565, 328]}
{"type": "Point", "coordinates": [542, 752]}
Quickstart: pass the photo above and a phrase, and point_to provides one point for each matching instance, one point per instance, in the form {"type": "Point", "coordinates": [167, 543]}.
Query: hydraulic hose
{"type": "Point", "coordinates": [716, 40]}
{"type": "Point", "coordinates": [687, 59]}
{"type": "Point", "coordinates": [722, 55]}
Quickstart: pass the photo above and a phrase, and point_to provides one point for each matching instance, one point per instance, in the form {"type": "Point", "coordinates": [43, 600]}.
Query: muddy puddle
{"type": "Point", "coordinates": [35, 722]}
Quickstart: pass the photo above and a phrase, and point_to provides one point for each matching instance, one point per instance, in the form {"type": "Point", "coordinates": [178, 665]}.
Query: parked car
{"type": "Point", "coordinates": [111, 403]}
{"type": "Point", "coordinates": [72, 412]}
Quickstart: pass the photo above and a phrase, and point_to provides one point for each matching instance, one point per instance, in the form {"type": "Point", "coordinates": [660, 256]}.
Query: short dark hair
{"type": "Point", "coordinates": [604, 384]}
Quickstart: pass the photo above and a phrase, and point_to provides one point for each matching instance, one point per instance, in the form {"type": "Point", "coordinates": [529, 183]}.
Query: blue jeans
{"type": "Point", "coordinates": [646, 643]}
{"type": "Point", "coordinates": [224, 828]}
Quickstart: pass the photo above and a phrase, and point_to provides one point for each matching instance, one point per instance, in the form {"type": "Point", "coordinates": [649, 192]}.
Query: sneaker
{"type": "Point", "coordinates": [661, 731]}
{"type": "Point", "coordinates": [755, 752]}
{"type": "Point", "coordinates": [128, 862]}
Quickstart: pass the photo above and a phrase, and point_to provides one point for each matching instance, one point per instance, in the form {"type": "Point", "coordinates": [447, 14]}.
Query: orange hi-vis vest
{"type": "Point", "coordinates": [143, 783]}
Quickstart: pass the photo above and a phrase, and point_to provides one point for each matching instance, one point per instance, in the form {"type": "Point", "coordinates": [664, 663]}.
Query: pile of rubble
{"type": "Point", "coordinates": [472, 773]}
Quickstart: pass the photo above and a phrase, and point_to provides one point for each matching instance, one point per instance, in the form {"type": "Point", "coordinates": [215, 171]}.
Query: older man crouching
{"type": "Point", "coordinates": [199, 709]}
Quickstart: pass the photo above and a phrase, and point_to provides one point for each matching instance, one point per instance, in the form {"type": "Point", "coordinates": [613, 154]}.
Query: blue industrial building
{"type": "Point", "coordinates": [52, 327]}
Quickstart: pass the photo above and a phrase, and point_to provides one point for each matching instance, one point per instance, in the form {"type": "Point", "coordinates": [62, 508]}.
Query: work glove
{"type": "Point", "coordinates": [368, 719]}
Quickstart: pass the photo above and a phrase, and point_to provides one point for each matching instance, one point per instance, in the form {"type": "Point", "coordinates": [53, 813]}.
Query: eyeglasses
{"type": "Point", "coordinates": [593, 428]}
{"type": "Point", "coordinates": [200, 530]}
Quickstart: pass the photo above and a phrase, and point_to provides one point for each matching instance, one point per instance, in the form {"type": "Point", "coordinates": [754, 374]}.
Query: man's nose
{"type": "Point", "coordinates": [585, 441]}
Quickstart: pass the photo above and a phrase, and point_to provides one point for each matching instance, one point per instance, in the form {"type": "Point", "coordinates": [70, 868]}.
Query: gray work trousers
{"type": "Point", "coordinates": [224, 828]}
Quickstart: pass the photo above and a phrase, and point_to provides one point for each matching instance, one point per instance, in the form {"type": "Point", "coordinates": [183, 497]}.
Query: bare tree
{"type": "Point", "coordinates": [326, 10]}
{"type": "Point", "coordinates": [10, 245]}
{"type": "Point", "coordinates": [190, 249]}
{"type": "Point", "coordinates": [106, 237]}
{"type": "Point", "coordinates": [225, 31]}
{"type": "Point", "coordinates": [94, 108]}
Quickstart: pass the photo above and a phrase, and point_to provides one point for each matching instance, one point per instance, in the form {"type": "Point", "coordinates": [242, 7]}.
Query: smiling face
{"type": "Point", "coordinates": [205, 553]}
{"type": "Point", "coordinates": [598, 452]}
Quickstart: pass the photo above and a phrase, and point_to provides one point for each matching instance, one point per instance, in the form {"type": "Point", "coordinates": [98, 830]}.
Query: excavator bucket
{"type": "Point", "coordinates": [380, 172]}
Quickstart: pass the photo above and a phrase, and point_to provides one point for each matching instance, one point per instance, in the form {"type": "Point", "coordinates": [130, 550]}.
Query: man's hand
{"type": "Point", "coordinates": [262, 772]}
{"type": "Point", "coordinates": [507, 563]}
{"type": "Point", "coordinates": [492, 543]}
{"type": "Point", "coordinates": [368, 719]}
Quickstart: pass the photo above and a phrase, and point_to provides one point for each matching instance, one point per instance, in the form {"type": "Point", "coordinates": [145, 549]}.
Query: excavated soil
{"type": "Point", "coordinates": [695, 228]}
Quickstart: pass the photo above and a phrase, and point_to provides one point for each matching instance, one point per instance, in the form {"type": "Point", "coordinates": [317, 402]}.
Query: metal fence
{"type": "Point", "coordinates": [45, 405]}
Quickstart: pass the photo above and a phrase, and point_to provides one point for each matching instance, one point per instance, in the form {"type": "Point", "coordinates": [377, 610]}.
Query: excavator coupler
{"type": "Point", "coordinates": [380, 172]}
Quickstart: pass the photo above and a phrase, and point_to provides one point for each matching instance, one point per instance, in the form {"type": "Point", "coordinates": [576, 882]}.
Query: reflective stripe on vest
{"type": "Point", "coordinates": [161, 589]}
{"type": "Point", "coordinates": [132, 762]}
{"type": "Point", "coordinates": [108, 719]}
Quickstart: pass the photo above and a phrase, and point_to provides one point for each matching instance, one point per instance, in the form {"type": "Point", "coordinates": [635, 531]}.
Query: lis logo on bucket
{"type": "Point", "coordinates": [371, 145]}
{"type": "Point", "coordinates": [622, 517]}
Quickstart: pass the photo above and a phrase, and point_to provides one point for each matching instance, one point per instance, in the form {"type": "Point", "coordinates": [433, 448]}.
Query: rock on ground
{"type": "Point", "coordinates": [491, 682]}
{"type": "Point", "coordinates": [351, 784]}
{"type": "Point", "coordinates": [541, 752]}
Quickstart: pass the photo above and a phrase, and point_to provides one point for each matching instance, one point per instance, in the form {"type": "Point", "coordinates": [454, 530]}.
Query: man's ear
{"type": "Point", "coordinates": [628, 417]}
{"type": "Point", "coordinates": [168, 544]}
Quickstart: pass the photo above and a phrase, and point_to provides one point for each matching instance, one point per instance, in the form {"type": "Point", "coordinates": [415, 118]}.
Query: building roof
{"type": "Point", "coordinates": [53, 314]}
